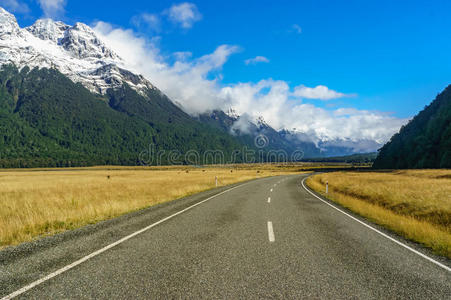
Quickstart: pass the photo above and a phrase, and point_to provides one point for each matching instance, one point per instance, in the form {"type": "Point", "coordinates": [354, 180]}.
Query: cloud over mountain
{"type": "Point", "coordinates": [52, 8]}
{"type": "Point", "coordinates": [195, 83]}
{"type": "Point", "coordinates": [15, 6]}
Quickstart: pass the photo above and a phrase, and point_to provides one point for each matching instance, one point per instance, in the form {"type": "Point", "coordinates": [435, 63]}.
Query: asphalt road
{"type": "Point", "coordinates": [269, 238]}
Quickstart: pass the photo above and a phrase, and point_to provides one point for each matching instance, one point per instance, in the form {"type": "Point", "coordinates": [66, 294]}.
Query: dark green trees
{"type": "Point", "coordinates": [47, 120]}
{"type": "Point", "coordinates": [425, 142]}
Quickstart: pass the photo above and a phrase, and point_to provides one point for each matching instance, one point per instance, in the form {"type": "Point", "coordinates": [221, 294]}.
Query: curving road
{"type": "Point", "coordinates": [268, 238]}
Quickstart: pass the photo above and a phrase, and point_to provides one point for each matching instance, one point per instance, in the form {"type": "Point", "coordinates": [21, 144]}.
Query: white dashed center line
{"type": "Point", "coordinates": [271, 233]}
{"type": "Point", "coordinates": [269, 199]}
{"type": "Point", "coordinates": [271, 190]}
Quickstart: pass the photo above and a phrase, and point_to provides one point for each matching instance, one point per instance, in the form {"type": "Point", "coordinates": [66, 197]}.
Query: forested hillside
{"type": "Point", "coordinates": [359, 158]}
{"type": "Point", "coordinates": [47, 120]}
{"type": "Point", "coordinates": [425, 142]}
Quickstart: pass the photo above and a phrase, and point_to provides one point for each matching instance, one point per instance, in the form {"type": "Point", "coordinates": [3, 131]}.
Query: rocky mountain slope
{"type": "Point", "coordinates": [68, 99]}
{"type": "Point", "coordinates": [75, 51]}
{"type": "Point", "coordinates": [46, 120]}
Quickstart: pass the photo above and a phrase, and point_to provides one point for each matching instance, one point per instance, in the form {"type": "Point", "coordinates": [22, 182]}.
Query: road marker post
{"type": "Point", "coordinates": [378, 231]}
{"type": "Point", "coordinates": [327, 187]}
{"type": "Point", "coordinates": [216, 181]}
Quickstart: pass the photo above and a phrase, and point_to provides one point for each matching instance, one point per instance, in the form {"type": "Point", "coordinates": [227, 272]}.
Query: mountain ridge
{"type": "Point", "coordinates": [77, 53]}
{"type": "Point", "coordinates": [425, 142]}
{"type": "Point", "coordinates": [48, 120]}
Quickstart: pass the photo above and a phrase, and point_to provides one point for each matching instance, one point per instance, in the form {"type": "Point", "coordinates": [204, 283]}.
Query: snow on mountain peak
{"type": "Point", "coordinates": [261, 122]}
{"type": "Point", "coordinates": [47, 29]}
{"type": "Point", "coordinates": [231, 112]}
{"type": "Point", "coordinates": [75, 51]}
{"type": "Point", "coordinates": [83, 43]}
{"type": "Point", "coordinates": [8, 24]}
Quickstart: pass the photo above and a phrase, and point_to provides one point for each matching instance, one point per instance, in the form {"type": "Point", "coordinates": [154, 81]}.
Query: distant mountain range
{"type": "Point", "coordinates": [358, 158]}
{"type": "Point", "coordinates": [66, 99]}
{"type": "Point", "coordinates": [425, 142]}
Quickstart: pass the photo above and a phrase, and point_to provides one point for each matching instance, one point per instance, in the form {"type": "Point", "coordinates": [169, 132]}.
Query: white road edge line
{"type": "Point", "coordinates": [269, 199]}
{"type": "Point", "coordinates": [100, 251]}
{"type": "Point", "coordinates": [380, 232]}
{"type": "Point", "coordinates": [271, 232]}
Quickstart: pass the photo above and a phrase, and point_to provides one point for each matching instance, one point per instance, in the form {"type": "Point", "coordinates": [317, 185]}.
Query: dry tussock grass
{"type": "Point", "coordinates": [35, 203]}
{"type": "Point", "coordinates": [414, 203]}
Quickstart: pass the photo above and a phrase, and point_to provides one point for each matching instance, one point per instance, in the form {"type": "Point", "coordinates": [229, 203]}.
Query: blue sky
{"type": "Point", "coordinates": [395, 55]}
{"type": "Point", "coordinates": [353, 70]}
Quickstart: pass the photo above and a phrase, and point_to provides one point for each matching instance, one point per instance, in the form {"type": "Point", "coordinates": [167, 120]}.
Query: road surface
{"type": "Point", "coordinates": [268, 238]}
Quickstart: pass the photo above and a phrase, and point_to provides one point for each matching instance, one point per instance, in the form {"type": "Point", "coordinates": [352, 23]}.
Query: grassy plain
{"type": "Point", "coordinates": [37, 202]}
{"type": "Point", "coordinates": [413, 203]}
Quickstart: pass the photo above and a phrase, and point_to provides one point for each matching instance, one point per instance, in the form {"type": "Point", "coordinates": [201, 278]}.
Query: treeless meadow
{"type": "Point", "coordinates": [42, 202]}
{"type": "Point", "coordinates": [413, 203]}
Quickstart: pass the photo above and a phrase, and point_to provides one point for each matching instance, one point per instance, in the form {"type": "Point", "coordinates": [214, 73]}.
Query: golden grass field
{"type": "Point", "coordinates": [413, 203]}
{"type": "Point", "coordinates": [42, 202]}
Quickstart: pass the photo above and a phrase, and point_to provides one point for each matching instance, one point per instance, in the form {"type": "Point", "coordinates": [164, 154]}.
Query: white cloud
{"type": "Point", "coordinates": [296, 28]}
{"type": "Point", "coordinates": [52, 8]}
{"type": "Point", "coordinates": [185, 81]}
{"type": "Point", "coordinates": [319, 92]}
{"type": "Point", "coordinates": [195, 83]}
{"type": "Point", "coordinates": [151, 21]}
{"type": "Point", "coordinates": [185, 14]}
{"type": "Point", "coordinates": [256, 60]}
{"type": "Point", "coordinates": [243, 125]}
{"type": "Point", "coordinates": [15, 6]}
{"type": "Point", "coordinates": [270, 99]}
{"type": "Point", "coordinates": [182, 55]}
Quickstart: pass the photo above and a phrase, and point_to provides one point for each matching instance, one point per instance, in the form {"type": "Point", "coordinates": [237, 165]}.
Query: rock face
{"type": "Point", "coordinates": [75, 51]}
{"type": "Point", "coordinates": [47, 29]}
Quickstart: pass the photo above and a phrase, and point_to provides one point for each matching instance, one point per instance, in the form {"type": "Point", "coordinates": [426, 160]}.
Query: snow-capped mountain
{"type": "Point", "coordinates": [231, 112]}
{"type": "Point", "coordinates": [75, 51]}
{"type": "Point", "coordinates": [79, 54]}
{"type": "Point", "coordinates": [262, 123]}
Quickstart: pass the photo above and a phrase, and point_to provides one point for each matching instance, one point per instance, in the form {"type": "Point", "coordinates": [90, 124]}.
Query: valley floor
{"type": "Point", "coordinates": [38, 202]}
